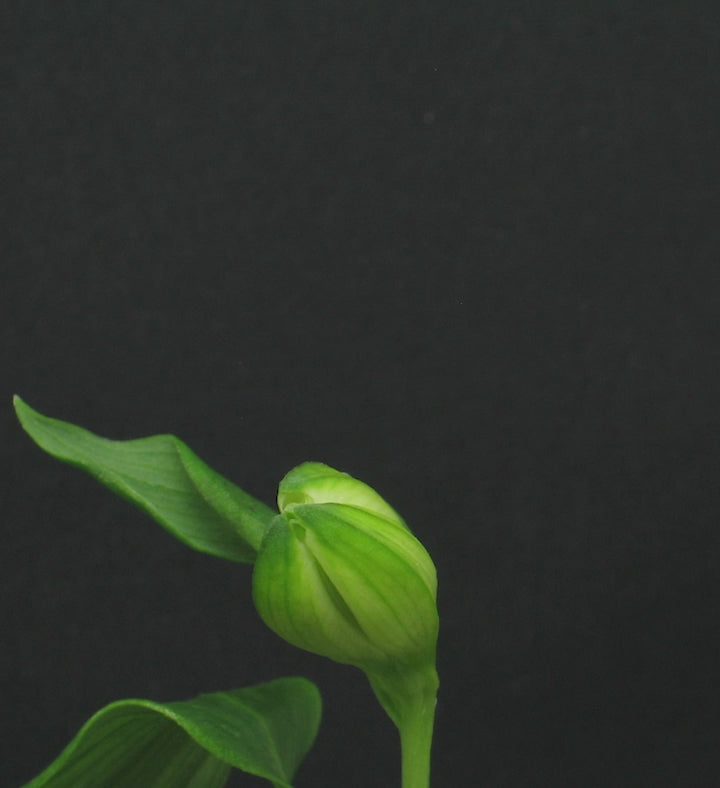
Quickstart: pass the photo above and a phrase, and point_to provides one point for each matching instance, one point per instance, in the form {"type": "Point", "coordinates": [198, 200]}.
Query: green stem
{"type": "Point", "coordinates": [409, 697]}
{"type": "Point", "coordinates": [416, 732]}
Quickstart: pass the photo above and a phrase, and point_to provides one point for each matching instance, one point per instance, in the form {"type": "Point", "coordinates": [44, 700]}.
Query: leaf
{"type": "Point", "coordinates": [166, 479]}
{"type": "Point", "coordinates": [264, 730]}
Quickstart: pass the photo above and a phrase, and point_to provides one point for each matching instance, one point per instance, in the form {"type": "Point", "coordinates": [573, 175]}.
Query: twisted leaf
{"type": "Point", "coordinates": [166, 479]}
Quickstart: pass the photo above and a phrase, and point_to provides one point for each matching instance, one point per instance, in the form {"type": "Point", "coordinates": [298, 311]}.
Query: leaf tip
{"type": "Point", "coordinates": [21, 408]}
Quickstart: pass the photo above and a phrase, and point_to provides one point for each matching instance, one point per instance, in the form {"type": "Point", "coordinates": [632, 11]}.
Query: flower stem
{"type": "Point", "coordinates": [416, 732]}
{"type": "Point", "coordinates": [409, 698]}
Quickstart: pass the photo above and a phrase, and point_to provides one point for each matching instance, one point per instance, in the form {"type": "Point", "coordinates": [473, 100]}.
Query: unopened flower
{"type": "Point", "coordinates": [341, 575]}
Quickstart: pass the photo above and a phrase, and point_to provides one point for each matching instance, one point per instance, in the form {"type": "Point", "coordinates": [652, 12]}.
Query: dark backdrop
{"type": "Point", "coordinates": [467, 252]}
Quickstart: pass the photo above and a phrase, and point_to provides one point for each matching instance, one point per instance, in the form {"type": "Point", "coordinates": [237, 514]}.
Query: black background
{"type": "Point", "coordinates": [467, 252]}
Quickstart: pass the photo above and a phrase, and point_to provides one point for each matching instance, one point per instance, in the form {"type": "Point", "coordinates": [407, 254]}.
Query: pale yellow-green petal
{"type": "Point", "coordinates": [314, 482]}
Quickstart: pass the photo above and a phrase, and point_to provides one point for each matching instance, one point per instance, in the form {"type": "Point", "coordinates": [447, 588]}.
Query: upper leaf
{"type": "Point", "coordinates": [264, 730]}
{"type": "Point", "coordinates": [164, 477]}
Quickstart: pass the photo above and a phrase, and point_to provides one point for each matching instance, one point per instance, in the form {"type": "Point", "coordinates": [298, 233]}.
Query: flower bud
{"type": "Point", "coordinates": [341, 575]}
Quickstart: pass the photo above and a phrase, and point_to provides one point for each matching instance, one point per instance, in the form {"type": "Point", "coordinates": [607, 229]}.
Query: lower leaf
{"type": "Point", "coordinates": [264, 730]}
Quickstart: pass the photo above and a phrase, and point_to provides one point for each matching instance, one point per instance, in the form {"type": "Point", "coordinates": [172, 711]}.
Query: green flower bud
{"type": "Point", "coordinates": [341, 575]}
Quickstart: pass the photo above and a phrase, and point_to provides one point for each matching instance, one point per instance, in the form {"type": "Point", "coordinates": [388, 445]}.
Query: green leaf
{"type": "Point", "coordinates": [264, 730]}
{"type": "Point", "coordinates": [165, 478]}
